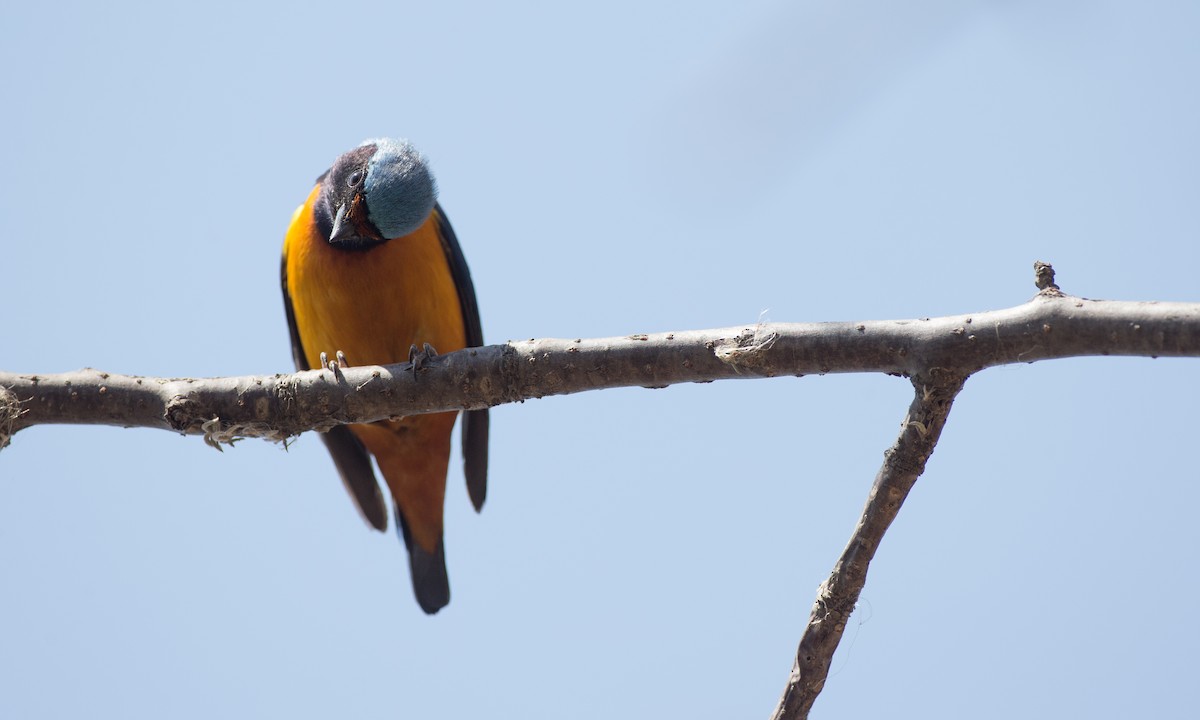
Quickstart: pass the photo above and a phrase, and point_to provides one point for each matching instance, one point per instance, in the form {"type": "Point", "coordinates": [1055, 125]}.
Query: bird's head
{"type": "Point", "coordinates": [378, 191]}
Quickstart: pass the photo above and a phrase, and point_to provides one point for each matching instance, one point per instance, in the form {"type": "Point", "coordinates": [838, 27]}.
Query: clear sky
{"type": "Point", "coordinates": [628, 167]}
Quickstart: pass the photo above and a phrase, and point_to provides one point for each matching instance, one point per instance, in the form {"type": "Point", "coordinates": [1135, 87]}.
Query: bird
{"type": "Point", "coordinates": [372, 271]}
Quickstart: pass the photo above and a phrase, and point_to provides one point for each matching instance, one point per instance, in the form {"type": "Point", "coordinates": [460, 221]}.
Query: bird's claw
{"type": "Point", "coordinates": [335, 366]}
{"type": "Point", "coordinates": [418, 358]}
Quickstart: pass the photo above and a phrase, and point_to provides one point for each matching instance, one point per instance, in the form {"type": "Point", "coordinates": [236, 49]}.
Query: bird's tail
{"type": "Point", "coordinates": [431, 583]}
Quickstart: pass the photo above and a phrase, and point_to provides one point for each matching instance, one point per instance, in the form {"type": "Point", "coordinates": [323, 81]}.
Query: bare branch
{"type": "Point", "coordinates": [276, 407]}
{"type": "Point", "coordinates": [837, 596]}
{"type": "Point", "coordinates": [938, 354]}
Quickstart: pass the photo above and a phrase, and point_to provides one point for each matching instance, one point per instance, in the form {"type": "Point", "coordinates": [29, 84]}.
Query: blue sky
{"type": "Point", "coordinates": [623, 168]}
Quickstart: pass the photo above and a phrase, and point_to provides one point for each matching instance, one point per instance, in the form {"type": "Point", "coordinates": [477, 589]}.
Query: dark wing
{"type": "Point", "coordinates": [349, 455]}
{"type": "Point", "coordinates": [475, 422]}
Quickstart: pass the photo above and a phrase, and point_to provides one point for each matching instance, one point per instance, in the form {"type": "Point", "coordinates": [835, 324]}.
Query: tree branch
{"type": "Point", "coordinates": [279, 406]}
{"type": "Point", "coordinates": [836, 597]}
{"type": "Point", "coordinates": [938, 354]}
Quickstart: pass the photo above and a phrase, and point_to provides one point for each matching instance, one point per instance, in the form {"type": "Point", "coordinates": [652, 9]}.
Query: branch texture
{"type": "Point", "coordinates": [276, 407]}
{"type": "Point", "coordinates": [938, 355]}
{"type": "Point", "coordinates": [836, 597]}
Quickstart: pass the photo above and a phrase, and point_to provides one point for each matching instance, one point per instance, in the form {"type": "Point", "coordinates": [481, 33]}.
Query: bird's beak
{"type": "Point", "coordinates": [342, 230]}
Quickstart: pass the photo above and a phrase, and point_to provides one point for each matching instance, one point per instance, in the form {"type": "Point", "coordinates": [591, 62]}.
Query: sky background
{"type": "Point", "coordinates": [625, 167]}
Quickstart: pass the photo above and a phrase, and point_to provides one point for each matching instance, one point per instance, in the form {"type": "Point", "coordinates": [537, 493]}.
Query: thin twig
{"type": "Point", "coordinates": [837, 596]}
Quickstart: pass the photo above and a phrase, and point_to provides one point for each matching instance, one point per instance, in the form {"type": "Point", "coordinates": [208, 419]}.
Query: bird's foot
{"type": "Point", "coordinates": [418, 358]}
{"type": "Point", "coordinates": [335, 366]}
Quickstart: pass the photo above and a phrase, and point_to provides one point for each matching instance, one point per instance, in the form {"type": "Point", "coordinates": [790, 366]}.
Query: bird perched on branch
{"type": "Point", "coordinates": [372, 269]}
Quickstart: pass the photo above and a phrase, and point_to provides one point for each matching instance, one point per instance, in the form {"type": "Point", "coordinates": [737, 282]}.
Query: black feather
{"type": "Point", "coordinates": [431, 583]}
{"type": "Point", "coordinates": [475, 422]}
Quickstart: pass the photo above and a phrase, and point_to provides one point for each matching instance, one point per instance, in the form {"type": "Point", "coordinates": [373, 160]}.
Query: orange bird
{"type": "Point", "coordinates": [372, 269]}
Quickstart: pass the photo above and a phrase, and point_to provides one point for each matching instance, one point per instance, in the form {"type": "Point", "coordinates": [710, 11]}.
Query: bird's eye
{"type": "Point", "coordinates": [355, 178]}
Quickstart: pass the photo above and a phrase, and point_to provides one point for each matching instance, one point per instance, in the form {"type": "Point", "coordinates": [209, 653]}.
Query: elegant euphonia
{"type": "Point", "coordinates": [372, 269]}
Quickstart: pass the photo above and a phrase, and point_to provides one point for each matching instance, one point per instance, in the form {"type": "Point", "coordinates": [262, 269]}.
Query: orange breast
{"type": "Point", "coordinates": [371, 304]}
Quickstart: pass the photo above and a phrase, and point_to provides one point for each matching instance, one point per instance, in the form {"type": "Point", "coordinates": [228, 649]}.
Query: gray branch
{"type": "Point", "coordinates": [279, 406]}
{"type": "Point", "coordinates": [837, 597]}
{"type": "Point", "coordinates": [938, 354]}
